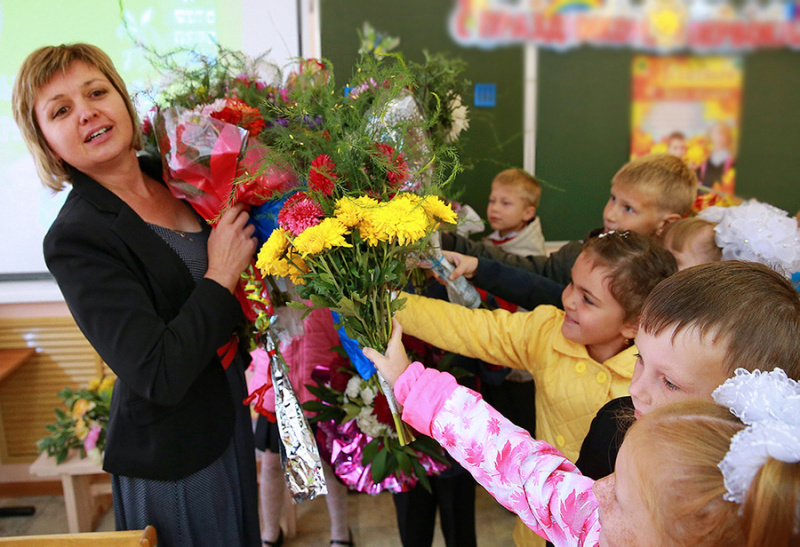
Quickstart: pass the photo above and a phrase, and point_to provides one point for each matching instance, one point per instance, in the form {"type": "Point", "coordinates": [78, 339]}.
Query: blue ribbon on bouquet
{"type": "Point", "coordinates": [364, 366]}
{"type": "Point", "coordinates": [265, 217]}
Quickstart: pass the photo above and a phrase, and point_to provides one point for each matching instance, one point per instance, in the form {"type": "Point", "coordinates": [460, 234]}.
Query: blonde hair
{"type": "Point", "coordinates": [37, 70]}
{"type": "Point", "coordinates": [527, 183]}
{"type": "Point", "coordinates": [687, 441]}
{"type": "Point", "coordinates": [668, 178]}
{"type": "Point", "coordinates": [747, 306]}
{"type": "Point", "coordinates": [685, 230]}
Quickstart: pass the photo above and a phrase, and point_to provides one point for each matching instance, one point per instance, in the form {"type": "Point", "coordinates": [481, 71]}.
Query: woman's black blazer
{"type": "Point", "coordinates": [134, 299]}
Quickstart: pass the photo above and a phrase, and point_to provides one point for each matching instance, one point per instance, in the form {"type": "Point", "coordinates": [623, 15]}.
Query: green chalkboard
{"type": "Point", "coordinates": [583, 125]}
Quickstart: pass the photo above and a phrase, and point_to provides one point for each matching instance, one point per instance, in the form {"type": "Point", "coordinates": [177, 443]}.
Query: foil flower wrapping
{"type": "Point", "coordinates": [343, 446]}
{"type": "Point", "coordinates": [299, 453]}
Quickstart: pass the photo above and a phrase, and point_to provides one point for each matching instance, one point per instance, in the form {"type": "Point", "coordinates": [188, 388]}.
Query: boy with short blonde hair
{"type": "Point", "coordinates": [650, 193]}
{"type": "Point", "coordinates": [512, 213]}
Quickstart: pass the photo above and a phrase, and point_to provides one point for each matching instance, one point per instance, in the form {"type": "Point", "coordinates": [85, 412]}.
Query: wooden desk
{"type": "Point", "coordinates": [80, 490]}
{"type": "Point", "coordinates": [11, 359]}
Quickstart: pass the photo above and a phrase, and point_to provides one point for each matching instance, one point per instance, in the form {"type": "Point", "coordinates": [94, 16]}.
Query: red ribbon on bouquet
{"type": "Point", "coordinates": [213, 165]}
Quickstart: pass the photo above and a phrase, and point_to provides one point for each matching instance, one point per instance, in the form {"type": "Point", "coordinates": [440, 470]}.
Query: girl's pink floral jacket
{"type": "Point", "coordinates": [528, 477]}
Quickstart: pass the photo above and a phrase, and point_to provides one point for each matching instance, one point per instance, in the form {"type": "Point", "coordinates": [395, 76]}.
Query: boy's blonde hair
{"type": "Point", "coordinates": [686, 442]}
{"type": "Point", "coordinates": [518, 178]}
{"type": "Point", "coordinates": [747, 306]}
{"type": "Point", "coordinates": [637, 264]}
{"type": "Point", "coordinates": [668, 178]}
{"type": "Point", "coordinates": [37, 70]}
{"type": "Point", "coordinates": [685, 230]}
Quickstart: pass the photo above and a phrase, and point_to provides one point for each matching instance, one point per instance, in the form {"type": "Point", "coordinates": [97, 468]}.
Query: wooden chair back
{"type": "Point", "coordinates": [130, 538]}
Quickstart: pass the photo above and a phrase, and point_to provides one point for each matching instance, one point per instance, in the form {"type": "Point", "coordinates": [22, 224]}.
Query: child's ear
{"type": "Point", "coordinates": [629, 330]}
{"type": "Point", "coordinates": [530, 213]}
{"type": "Point", "coordinates": [666, 221]}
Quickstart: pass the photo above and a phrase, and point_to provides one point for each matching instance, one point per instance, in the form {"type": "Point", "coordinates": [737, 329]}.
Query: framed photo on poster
{"type": "Point", "coordinates": [690, 107]}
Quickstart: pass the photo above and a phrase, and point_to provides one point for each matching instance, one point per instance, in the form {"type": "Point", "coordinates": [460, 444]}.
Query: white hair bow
{"type": "Point", "coordinates": [768, 403]}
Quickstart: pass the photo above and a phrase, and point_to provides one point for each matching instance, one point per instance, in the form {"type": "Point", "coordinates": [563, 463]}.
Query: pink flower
{"type": "Point", "coordinates": [322, 175]}
{"type": "Point", "coordinates": [90, 443]}
{"type": "Point", "coordinates": [300, 212]}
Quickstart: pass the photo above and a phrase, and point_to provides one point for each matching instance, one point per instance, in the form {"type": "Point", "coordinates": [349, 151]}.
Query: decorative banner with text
{"type": "Point", "coordinates": [703, 26]}
{"type": "Point", "coordinates": [690, 107]}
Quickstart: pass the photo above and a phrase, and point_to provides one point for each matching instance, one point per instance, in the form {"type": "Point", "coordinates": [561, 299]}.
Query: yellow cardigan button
{"type": "Point", "coordinates": [580, 367]}
{"type": "Point", "coordinates": [602, 377]}
{"type": "Point", "coordinates": [560, 440]}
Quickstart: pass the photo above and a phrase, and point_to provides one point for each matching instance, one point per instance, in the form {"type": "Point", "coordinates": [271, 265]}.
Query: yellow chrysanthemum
{"type": "Point", "coordinates": [438, 209]}
{"type": "Point", "coordinates": [94, 385]}
{"type": "Point", "coordinates": [108, 382]}
{"type": "Point", "coordinates": [81, 407]}
{"type": "Point", "coordinates": [372, 225]}
{"type": "Point", "coordinates": [81, 429]}
{"type": "Point", "coordinates": [273, 250]}
{"type": "Point", "coordinates": [297, 268]}
{"type": "Point", "coordinates": [327, 234]}
{"type": "Point", "coordinates": [405, 219]}
{"type": "Point", "coordinates": [293, 268]}
{"type": "Point", "coordinates": [347, 211]}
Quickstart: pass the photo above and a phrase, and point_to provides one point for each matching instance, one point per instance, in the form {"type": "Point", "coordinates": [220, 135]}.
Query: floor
{"type": "Point", "coordinates": [372, 518]}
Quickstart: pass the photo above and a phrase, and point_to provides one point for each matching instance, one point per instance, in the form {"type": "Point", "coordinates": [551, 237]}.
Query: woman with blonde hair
{"type": "Point", "coordinates": [151, 287]}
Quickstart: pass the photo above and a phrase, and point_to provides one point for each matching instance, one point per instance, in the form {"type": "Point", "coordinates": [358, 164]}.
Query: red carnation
{"type": "Point", "coordinates": [299, 212]}
{"type": "Point", "coordinates": [396, 166]}
{"type": "Point", "coordinates": [381, 409]}
{"type": "Point", "coordinates": [238, 112]}
{"type": "Point", "coordinates": [322, 174]}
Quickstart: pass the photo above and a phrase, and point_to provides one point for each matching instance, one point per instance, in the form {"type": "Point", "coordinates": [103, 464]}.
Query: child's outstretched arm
{"type": "Point", "coordinates": [528, 477]}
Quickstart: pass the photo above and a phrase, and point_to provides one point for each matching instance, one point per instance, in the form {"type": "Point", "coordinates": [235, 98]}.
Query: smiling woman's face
{"type": "Point", "coordinates": [84, 119]}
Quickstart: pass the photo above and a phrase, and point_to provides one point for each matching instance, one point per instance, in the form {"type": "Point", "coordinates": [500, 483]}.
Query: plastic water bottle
{"type": "Point", "coordinates": [459, 291]}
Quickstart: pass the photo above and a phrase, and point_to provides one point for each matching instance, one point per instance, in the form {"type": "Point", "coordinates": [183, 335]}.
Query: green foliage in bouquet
{"type": "Point", "coordinates": [83, 425]}
{"type": "Point", "coordinates": [374, 176]}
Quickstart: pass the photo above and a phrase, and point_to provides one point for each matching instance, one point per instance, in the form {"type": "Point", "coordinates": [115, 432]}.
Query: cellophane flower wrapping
{"type": "Point", "coordinates": [213, 164]}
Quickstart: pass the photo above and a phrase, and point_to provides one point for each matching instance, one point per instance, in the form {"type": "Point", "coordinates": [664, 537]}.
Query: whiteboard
{"type": "Point", "coordinates": [27, 208]}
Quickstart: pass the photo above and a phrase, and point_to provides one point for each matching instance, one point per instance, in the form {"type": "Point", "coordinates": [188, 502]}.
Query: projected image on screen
{"type": "Point", "coordinates": [26, 208]}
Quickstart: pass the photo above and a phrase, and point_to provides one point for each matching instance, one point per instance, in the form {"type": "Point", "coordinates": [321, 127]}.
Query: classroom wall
{"type": "Point", "coordinates": [583, 112]}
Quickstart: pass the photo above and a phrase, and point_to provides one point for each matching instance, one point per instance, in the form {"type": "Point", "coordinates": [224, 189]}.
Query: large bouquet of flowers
{"type": "Point", "coordinates": [372, 199]}
{"type": "Point", "coordinates": [83, 426]}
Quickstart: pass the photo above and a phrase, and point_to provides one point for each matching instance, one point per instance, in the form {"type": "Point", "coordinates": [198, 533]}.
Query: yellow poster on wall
{"type": "Point", "coordinates": [690, 107]}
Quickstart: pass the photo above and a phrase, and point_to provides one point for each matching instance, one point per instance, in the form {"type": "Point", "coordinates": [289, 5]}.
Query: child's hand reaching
{"type": "Point", "coordinates": [395, 362]}
{"type": "Point", "coordinates": [464, 265]}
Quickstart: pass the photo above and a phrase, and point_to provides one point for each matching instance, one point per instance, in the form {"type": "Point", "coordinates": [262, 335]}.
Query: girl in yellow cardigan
{"type": "Point", "coordinates": [580, 357]}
